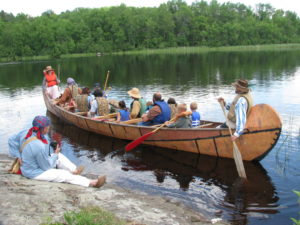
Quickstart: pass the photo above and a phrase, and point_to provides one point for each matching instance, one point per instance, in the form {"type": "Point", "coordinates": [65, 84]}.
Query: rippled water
{"type": "Point", "coordinates": [207, 184]}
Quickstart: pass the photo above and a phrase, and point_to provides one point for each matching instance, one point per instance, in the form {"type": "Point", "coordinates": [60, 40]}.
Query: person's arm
{"type": "Point", "coordinates": [118, 117]}
{"type": "Point", "coordinates": [153, 112]}
{"type": "Point", "coordinates": [64, 96]}
{"type": "Point", "coordinates": [177, 124]}
{"type": "Point", "coordinates": [14, 145]}
{"type": "Point", "coordinates": [94, 108]}
{"type": "Point", "coordinates": [136, 106]}
{"type": "Point", "coordinates": [44, 161]}
{"type": "Point", "coordinates": [241, 116]}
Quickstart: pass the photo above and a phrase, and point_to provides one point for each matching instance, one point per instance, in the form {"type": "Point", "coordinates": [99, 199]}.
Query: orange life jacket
{"type": "Point", "coordinates": [51, 79]}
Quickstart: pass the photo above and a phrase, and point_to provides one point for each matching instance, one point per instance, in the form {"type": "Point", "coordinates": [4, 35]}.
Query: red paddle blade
{"type": "Point", "coordinates": [136, 142]}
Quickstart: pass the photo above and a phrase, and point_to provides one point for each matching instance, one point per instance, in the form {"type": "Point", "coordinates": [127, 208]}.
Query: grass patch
{"type": "Point", "coordinates": [173, 50]}
{"type": "Point", "coordinates": [88, 216]}
{"type": "Point", "coordinates": [205, 49]}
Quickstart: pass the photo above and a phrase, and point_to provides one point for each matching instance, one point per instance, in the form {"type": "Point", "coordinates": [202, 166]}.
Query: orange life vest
{"type": "Point", "coordinates": [51, 79]}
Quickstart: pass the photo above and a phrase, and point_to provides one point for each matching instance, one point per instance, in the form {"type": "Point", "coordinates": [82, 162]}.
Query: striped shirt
{"type": "Point", "coordinates": [195, 119]}
{"type": "Point", "coordinates": [241, 115]}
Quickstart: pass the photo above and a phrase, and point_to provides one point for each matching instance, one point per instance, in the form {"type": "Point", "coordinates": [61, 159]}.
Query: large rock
{"type": "Point", "coordinates": [25, 201]}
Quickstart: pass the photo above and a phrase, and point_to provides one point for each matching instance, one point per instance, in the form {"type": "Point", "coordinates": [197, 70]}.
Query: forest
{"type": "Point", "coordinates": [123, 28]}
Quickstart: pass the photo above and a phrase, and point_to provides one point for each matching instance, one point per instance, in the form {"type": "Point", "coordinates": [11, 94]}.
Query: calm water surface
{"type": "Point", "coordinates": [206, 184]}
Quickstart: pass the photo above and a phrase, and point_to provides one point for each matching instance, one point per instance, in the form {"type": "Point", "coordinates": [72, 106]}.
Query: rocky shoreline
{"type": "Point", "coordinates": [30, 202]}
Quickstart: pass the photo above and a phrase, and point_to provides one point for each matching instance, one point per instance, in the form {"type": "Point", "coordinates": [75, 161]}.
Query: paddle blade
{"type": "Point", "coordinates": [239, 161]}
{"type": "Point", "coordinates": [136, 142]}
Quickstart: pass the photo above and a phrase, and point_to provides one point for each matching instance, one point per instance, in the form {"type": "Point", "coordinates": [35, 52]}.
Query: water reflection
{"type": "Point", "coordinates": [195, 175]}
{"type": "Point", "coordinates": [203, 70]}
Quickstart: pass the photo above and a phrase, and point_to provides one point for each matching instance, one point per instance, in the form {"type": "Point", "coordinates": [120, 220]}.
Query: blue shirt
{"type": "Point", "coordinates": [35, 155]}
{"type": "Point", "coordinates": [240, 114]}
{"type": "Point", "coordinates": [195, 119]}
{"type": "Point", "coordinates": [124, 114]}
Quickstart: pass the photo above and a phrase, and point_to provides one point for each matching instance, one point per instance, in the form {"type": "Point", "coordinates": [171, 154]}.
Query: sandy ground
{"type": "Point", "coordinates": [26, 202]}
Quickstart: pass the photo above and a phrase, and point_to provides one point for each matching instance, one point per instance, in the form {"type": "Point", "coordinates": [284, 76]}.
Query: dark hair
{"type": "Point", "coordinates": [122, 104]}
{"type": "Point", "coordinates": [157, 97]}
{"type": "Point", "coordinates": [172, 101]}
{"type": "Point", "coordinates": [98, 93]}
{"type": "Point", "coordinates": [86, 90]}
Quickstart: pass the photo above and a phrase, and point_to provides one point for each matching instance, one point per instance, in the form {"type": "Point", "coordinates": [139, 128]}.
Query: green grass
{"type": "Point", "coordinates": [173, 50]}
{"type": "Point", "coordinates": [205, 49]}
{"type": "Point", "coordinates": [296, 221]}
{"type": "Point", "coordinates": [88, 216]}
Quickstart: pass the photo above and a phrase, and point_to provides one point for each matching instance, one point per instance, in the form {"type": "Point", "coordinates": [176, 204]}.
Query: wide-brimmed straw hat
{"type": "Point", "coordinates": [49, 68]}
{"type": "Point", "coordinates": [242, 84]}
{"type": "Point", "coordinates": [134, 92]}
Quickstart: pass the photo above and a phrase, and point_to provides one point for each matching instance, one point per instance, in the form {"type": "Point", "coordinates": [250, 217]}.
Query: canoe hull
{"type": "Point", "coordinates": [255, 143]}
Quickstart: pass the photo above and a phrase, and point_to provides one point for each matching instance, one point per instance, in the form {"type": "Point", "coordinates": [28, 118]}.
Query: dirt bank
{"type": "Point", "coordinates": [27, 202]}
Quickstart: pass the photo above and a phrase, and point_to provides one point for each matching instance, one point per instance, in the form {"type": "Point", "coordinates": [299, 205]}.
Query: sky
{"type": "Point", "coordinates": [37, 7]}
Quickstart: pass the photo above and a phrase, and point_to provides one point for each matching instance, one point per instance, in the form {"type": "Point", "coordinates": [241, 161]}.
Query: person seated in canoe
{"type": "Point", "coordinates": [71, 91]}
{"type": "Point", "coordinates": [239, 108]}
{"type": "Point", "coordinates": [158, 114]}
{"type": "Point", "coordinates": [195, 114]}
{"type": "Point", "coordinates": [51, 82]}
{"type": "Point", "coordinates": [182, 118]}
{"type": "Point", "coordinates": [83, 101]}
{"type": "Point", "coordinates": [99, 106]}
{"type": "Point", "coordinates": [123, 114]}
{"type": "Point", "coordinates": [98, 86]}
{"type": "Point", "coordinates": [173, 106]}
{"type": "Point", "coordinates": [41, 160]}
{"type": "Point", "coordinates": [138, 105]}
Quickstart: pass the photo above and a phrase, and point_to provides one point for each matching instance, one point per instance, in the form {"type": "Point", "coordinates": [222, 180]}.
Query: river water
{"type": "Point", "coordinates": [206, 184]}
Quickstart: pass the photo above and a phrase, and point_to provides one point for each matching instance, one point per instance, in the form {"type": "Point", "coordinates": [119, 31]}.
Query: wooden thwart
{"type": "Point", "coordinates": [133, 121]}
{"type": "Point", "coordinates": [108, 116]}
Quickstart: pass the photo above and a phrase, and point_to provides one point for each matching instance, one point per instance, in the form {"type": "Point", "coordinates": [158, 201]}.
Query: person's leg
{"type": "Point", "coordinates": [64, 163]}
{"type": "Point", "coordinates": [56, 93]}
{"type": "Point", "coordinates": [63, 176]}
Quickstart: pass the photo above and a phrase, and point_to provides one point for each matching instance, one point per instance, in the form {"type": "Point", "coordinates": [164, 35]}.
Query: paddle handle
{"type": "Point", "coordinates": [161, 126]}
{"type": "Point", "coordinates": [107, 75]}
{"type": "Point", "coordinates": [223, 109]}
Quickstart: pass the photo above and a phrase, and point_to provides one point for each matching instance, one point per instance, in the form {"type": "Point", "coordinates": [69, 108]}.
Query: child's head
{"type": "Point", "coordinates": [98, 93]}
{"type": "Point", "coordinates": [194, 106]}
{"type": "Point", "coordinates": [172, 101]}
{"type": "Point", "coordinates": [86, 91]}
{"type": "Point", "coordinates": [122, 104]}
{"type": "Point", "coordinates": [181, 108]}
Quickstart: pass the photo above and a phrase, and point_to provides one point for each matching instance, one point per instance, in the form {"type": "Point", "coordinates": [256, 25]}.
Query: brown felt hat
{"type": "Point", "coordinates": [49, 68]}
{"type": "Point", "coordinates": [134, 92]}
{"type": "Point", "coordinates": [242, 84]}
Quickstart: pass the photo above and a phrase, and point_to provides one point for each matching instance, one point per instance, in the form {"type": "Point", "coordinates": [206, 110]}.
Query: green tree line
{"type": "Point", "coordinates": [120, 28]}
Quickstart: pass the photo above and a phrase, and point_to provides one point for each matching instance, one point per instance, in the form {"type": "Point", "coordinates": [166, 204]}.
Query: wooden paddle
{"type": "Point", "coordinates": [236, 152]}
{"type": "Point", "coordinates": [107, 75]}
{"type": "Point", "coordinates": [138, 141]}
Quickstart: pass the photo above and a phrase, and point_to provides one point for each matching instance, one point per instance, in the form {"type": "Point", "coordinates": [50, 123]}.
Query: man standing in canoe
{"type": "Point", "coordinates": [158, 114]}
{"type": "Point", "coordinates": [32, 149]}
{"type": "Point", "coordinates": [138, 106]}
{"type": "Point", "coordinates": [239, 108]}
{"type": "Point", "coordinates": [52, 82]}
